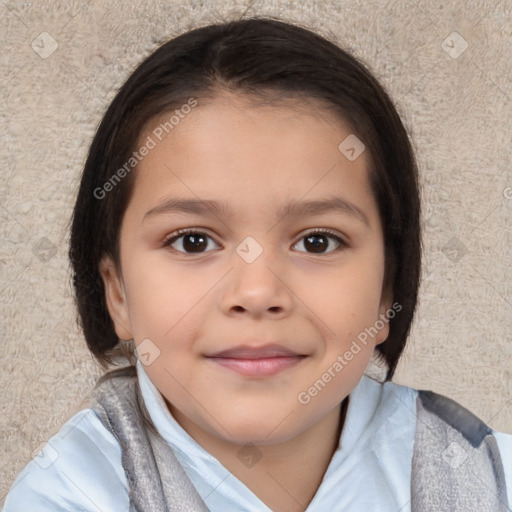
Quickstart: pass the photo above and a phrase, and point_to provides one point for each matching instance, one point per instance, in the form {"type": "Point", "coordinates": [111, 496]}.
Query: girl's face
{"type": "Point", "coordinates": [247, 323]}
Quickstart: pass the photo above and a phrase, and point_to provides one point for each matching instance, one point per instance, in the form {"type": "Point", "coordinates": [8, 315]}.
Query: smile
{"type": "Point", "coordinates": [258, 367]}
{"type": "Point", "coordinates": [257, 359]}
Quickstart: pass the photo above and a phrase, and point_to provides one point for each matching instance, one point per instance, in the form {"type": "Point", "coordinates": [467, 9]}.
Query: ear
{"type": "Point", "coordinates": [383, 318]}
{"type": "Point", "coordinates": [115, 297]}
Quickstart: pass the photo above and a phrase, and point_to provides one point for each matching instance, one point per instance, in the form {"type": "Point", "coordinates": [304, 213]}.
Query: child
{"type": "Point", "coordinates": [249, 219]}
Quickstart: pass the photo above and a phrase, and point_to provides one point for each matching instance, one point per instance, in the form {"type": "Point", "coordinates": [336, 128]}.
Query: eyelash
{"type": "Point", "coordinates": [317, 231]}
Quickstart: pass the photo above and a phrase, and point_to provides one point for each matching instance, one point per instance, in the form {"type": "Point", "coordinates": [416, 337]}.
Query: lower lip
{"type": "Point", "coordinates": [258, 367]}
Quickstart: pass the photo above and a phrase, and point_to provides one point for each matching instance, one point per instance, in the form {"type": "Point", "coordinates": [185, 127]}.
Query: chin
{"type": "Point", "coordinates": [263, 429]}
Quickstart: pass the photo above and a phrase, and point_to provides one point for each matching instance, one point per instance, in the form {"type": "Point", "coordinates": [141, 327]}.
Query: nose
{"type": "Point", "coordinates": [257, 288]}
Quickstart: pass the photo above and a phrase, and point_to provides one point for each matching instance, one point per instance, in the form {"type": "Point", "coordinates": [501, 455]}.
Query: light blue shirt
{"type": "Point", "coordinates": [80, 467]}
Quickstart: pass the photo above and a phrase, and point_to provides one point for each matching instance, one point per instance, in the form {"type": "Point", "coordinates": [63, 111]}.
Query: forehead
{"type": "Point", "coordinates": [246, 152]}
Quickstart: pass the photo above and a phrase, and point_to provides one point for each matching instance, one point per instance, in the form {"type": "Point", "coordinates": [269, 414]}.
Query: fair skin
{"type": "Point", "coordinates": [193, 302]}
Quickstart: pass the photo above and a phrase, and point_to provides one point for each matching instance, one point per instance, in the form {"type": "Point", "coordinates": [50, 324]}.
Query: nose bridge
{"type": "Point", "coordinates": [255, 284]}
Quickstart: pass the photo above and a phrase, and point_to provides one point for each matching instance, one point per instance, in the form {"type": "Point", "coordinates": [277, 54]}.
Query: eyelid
{"type": "Point", "coordinates": [324, 231]}
{"type": "Point", "coordinates": [341, 239]}
{"type": "Point", "coordinates": [168, 240]}
{"type": "Point", "coordinates": [327, 231]}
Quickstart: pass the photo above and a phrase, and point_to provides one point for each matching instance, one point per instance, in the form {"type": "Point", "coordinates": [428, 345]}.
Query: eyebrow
{"type": "Point", "coordinates": [292, 208]}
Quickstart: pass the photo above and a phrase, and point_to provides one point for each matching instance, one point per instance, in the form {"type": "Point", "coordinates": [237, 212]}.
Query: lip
{"type": "Point", "coordinates": [255, 352]}
{"type": "Point", "coordinates": [259, 361]}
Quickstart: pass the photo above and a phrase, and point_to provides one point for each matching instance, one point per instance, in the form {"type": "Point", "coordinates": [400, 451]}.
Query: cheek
{"type": "Point", "coordinates": [167, 306]}
{"type": "Point", "coordinates": [350, 294]}
{"type": "Point", "coordinates": [153, 301]}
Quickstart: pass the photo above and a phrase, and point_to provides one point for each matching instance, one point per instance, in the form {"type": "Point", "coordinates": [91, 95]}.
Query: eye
{"type": "Point", "coordinates": [319, 240]}
{"type": "Point", "coordinates": [191, 241]}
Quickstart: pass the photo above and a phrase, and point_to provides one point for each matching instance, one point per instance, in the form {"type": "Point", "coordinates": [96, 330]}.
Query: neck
{"type": "Point", "coordinates": [287, 475]}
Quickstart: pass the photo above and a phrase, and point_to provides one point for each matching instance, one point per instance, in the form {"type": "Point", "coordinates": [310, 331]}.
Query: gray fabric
{"type": "Point", "coordinates": [456, 465]}
{"type": "Point", "coordinates": [179, 491]}
{"type": "Point", "coordinates": [146, 457]}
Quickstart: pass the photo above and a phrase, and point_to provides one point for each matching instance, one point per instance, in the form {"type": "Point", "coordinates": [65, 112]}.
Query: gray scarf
{"type": "Point", "coordinates": [456, 465]}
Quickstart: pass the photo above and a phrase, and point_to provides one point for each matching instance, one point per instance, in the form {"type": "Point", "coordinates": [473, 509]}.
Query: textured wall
{"type": "Point", "coordinates": [447, 65]}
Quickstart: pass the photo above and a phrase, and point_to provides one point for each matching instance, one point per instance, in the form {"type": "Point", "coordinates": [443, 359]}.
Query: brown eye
{"type": "Point", "coordinates": [317, 243]}
{"type": "Point", "coordinates": [320, 242]}
{"type": "Point", "coordinates": [189, 242]}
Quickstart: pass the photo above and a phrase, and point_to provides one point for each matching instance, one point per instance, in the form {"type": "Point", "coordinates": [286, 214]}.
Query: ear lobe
{"type": "Point", "coordinates": [115, 298]}
{"type": "Point", "coordinates": [384, 307]}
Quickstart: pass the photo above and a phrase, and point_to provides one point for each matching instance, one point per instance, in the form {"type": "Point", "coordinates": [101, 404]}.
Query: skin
{"type": "Point", "coordinates": [194, 303]}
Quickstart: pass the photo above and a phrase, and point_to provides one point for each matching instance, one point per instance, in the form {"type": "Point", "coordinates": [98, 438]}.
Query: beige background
{"type": "Point", "coordinates": [458, 109]}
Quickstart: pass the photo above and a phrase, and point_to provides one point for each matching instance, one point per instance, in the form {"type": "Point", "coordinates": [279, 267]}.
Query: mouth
{"type": "Point", "coordinates": [260, 361]}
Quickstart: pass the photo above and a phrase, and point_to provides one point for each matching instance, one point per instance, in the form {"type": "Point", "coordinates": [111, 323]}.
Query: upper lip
{"type": "Point", "coordinates": [256, 352]}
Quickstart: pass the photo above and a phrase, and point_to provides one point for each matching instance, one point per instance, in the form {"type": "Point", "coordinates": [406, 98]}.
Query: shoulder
{"type": "Point", "coordinates": [78, 469]}
{"type": "Point", "coordinates": [470, 426]}
{"type": "Point", "coordinates": [453, 414]}
{"type": "Point", "coordinates": [447, 424]}
{"type": "Point", "coordinates": [504, 442]}
{"type": "Point", "coordinates": [458, 417]}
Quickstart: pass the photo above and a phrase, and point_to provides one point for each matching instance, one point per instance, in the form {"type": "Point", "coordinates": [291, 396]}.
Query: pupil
{"type": "Point", "coordinates": [316, 245]}
{"type": "Point", "coordinates": [197, 242]}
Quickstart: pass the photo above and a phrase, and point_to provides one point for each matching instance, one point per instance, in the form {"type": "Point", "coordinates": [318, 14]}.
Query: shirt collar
{"type": "Point", "coordinates": [371, 467]}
